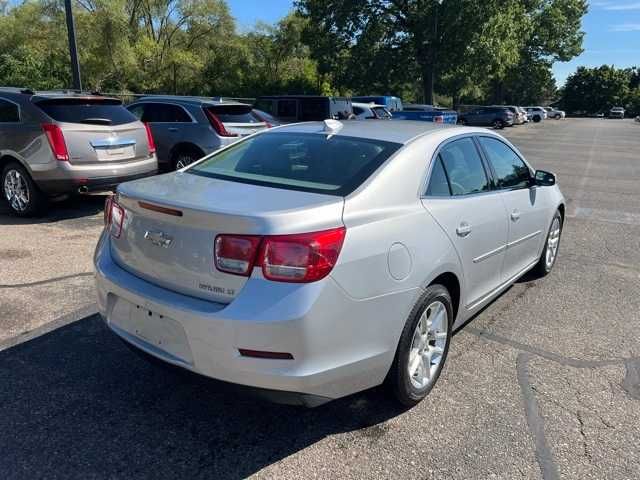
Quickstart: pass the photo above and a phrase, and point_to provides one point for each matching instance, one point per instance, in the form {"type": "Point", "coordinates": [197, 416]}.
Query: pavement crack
{"type": "Point", "coordinates": [48, 280]}
{"type": "Point", "coordinates": [585, 446]}
{"type": "Point", "coordinates": [545, 460]}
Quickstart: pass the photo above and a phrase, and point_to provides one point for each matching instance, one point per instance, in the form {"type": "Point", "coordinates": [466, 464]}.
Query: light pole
{"type": "Point", "coordinates": [73, 49]}
{"type": "Point", "coordinates": [434, 52]}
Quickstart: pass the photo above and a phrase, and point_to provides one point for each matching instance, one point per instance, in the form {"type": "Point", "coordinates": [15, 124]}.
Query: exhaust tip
{"type": "Point", "coordinates": [83, 189]}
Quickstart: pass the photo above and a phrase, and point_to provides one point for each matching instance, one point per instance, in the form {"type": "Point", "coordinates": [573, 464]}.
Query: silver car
{"type": "Point", "coordinates": [315, 260]}
{"type": "Point", "coordinates": [54, 143]}
{"type": "Point", "coordinates": [188, 128]}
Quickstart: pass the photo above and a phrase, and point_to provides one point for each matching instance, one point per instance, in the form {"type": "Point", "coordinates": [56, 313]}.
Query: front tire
{"type": "Point", "coordinates": [498, 124]}
{"type": "Point", "coordinates": [537, 119]}
{"type": "Point", "coordinates": [423, 347]}
{"type": "Point", "coordinates": [20, 192]}
{"type": "Point", "coordinates": [551, 245]}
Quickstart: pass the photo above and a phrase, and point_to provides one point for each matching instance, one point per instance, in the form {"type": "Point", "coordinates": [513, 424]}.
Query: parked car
{"type": "Point", "coordinates": [426, 113]}
{"type": "Point", "coordinates": [188, 128]}
{"type": "Point", "coordinates": [537, 114]}
{"type": "Point", "coordinates": [616, 112]}
{"type": "Point", "coordinates": [554, 113]}
{"type": "Point", "coordinates": [393, 104]}
{"type": "Point", "coordinates": [370, 111]}
{"type": "Point", "coordinates": [304, 108]}
{"type": "Point", "coordinates": [56, 143]}
{"type": "Point", "coordinates": [497, 117]}
{"type": "Point", "coordinates": [524, 114]}
{"type": "Point", "coordinates": [518, 117]}
{"type": "Point", "coordinates": [316, 260]}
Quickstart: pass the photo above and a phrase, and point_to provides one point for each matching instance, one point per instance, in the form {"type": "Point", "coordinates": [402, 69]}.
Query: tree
{"type": "Point", "coordinates": [593, 90]}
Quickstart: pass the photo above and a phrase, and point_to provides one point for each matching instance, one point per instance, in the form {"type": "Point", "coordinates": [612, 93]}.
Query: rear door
{"type": "Point", "coordinates": [169, 124]}
{"type": "Point", "coordinates": [460, 198]}
{"type": "Point", "coordinates": [526, 207]}
{"type": "Point", "coordinates": [97, 130]}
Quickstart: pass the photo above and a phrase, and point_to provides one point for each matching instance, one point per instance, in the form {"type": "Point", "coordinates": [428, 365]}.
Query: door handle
{"type": "Point", "coordinates": [463, 229]}
{"type": "Point", "coordinates": [515, 215]}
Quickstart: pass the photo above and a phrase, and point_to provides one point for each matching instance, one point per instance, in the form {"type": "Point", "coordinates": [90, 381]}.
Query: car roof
{"type": "Point", "coordinates": [54, 94]}
{"type": "Point", "coordinates": [398, 131]}
{"type": "Point", "coordinates": [187, 100]}
{"type": "Point", "coordinates": [367, 105]}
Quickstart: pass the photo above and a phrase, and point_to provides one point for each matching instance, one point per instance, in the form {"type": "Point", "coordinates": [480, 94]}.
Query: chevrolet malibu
{"type": "Point", "coordinates": [315, 260]}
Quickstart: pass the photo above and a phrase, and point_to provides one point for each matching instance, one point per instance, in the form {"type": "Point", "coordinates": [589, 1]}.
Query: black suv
{"type": "Point", "coordinates": [305, 108]}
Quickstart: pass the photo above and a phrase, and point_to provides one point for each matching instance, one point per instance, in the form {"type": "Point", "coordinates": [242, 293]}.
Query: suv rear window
{"type": "Point", "coordinates": [87, 110]}
{"type": "Point", "coordinates": [234, 114]}
{"type": "Point", "coordinates": [309, 162]}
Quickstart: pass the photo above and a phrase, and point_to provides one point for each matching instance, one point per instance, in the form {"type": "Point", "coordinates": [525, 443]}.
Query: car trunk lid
{"type": "Point", "coordinates": [171, 222]}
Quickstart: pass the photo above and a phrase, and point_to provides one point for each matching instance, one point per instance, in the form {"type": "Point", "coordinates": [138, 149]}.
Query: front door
{"type": "Point", "coordinates": [460, 199]}
{"type": "Point", "coordinates": [526, 211]}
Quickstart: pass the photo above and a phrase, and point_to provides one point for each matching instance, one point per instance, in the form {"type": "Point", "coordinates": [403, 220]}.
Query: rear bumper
{"type": "Point", "coordinates": [88, 184]}
{"type": "Point", "coordinates": [335, 352]}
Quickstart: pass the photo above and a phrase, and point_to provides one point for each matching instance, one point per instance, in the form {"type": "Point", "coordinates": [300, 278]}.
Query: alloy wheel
{"type": "Point", "coordinates": [16, 190]}
{"type": "Point", "coordinates": [183, 161]}
{"type": "Point", "coordinates": [428, 345]}
{"type": "Point", "coordinates": [552, 243]}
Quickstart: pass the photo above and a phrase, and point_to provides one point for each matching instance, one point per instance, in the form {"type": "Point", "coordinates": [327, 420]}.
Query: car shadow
{"type": "Point", "coordinates": [73, 207]}
{"type": "Point", "coordinates": [76, 403]}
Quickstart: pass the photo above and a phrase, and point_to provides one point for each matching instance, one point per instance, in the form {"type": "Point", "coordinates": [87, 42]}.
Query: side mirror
{"type": "Point", "coordinates": [544, 179]}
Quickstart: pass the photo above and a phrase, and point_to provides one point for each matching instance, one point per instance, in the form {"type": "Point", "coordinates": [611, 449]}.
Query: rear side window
{"type": "Point", "coordinates": [313, 109]}
{"type": "Point", "coordinates": [464, 168]}
{"type": "Point", "coordinates": [381, 112]}
{"type": "Point", "coordinates": [510, 170]}
{"type": "Point", "coordinates": [234, 114]}
{"type": "Point", "coordinates": [87, 110]}
{"type": "Point", "coordinates": [265, 106]}
{"type": "Point", "coordinates": [165, 113]}
{"type": "Point", "coordinates": [438, 183]}
{"type": "Point", "coordinates": [317, 163]}
{"type": "Point", "coordinates": [8, 112]}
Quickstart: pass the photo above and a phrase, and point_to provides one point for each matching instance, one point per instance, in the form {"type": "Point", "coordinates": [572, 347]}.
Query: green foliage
{"type": "Point", "coordinates": [594, 90]}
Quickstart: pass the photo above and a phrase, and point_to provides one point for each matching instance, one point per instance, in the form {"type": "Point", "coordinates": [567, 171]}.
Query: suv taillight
{"type": "Point", "coordinates": [217, 125]}
{"type": "Point", "coordinates": [150, 142]}
{"type": "Point", "coordinates": [300, 258]}
{"type": "Point", "coordinates": [56, 141]}
{"type": "Point", "coordinates": [113, 216]}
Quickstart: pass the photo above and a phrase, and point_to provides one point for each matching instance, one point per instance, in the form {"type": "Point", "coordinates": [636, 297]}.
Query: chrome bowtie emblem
{"type": "Point", "coordinates": [160, 239]}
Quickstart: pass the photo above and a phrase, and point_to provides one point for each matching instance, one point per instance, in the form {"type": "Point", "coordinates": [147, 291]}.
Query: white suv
{"type": "Point", "coordinates": [537, 114]}
{"type": "Point", "coordinates": [553, 113]}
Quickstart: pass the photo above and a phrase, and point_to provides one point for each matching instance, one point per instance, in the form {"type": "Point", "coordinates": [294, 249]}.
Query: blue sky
{"type": "Point", "coordinates": [612, 30]}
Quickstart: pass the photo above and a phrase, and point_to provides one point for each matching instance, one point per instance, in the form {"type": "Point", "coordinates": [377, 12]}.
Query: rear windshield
{"type": "Point", "coordinates": [83, 110]}
{"type": "Point", "coordinates": [234, 114]}
{"type": "Point", "coordinates": [309, 162]}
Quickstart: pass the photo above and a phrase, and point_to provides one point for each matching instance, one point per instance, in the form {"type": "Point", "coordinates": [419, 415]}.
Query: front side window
{"type": "Point", "coordinates": [464, 168]}
{"type": "Point", "coordinates": [287, 108]}
{"type": "Point", "coordinates": [510, 170]}
{"type": "Point", "coordinates": [165, 113]}
{"type": "Point", "coordinates": [317, 163]}
{"type": "Point", "coordinates": [8, 112]}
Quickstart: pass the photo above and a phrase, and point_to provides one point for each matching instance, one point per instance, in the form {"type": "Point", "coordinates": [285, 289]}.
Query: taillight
{"type": "Point", "coordinates": [56, 141]}
{"type": "Point", "coordinates": [217, 125]}
{"type": "Point", "coordinates": [115, 218]}
{"type": "Point", "coordinates": [150, 142]}
{"type": "Point", "coordinates": [301, 258]}
{"type": "Point", "coordinates": [236, 253]}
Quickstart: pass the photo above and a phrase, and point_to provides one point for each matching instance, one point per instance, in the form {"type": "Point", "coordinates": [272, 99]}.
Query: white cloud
{"type": "Point", "coordinates": [617, 6]}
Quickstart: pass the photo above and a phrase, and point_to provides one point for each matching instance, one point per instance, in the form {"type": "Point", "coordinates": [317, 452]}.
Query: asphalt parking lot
{"type": "Point", "coordinates": [544, 383]}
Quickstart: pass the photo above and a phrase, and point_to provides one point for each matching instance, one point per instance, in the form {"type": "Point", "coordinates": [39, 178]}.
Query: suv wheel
{"type": "Point", "coordinates": [182, 158]}
{"type": "Point", "coordinates": [498, 124]}
{"type": "Point", "coordinates": [537, 118]}
{"type": "Point", "coordinates": [423, 347]}
{"type": "Point", "coordinates": [20, 192]}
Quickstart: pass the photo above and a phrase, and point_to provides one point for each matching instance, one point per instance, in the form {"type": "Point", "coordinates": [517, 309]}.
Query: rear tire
{"type": "Point", "coordinates": [549, 253]}
{"type": "Point", "coordinates": [433, 314]}
{"type": "Point", "coordinates": [537, 118]}
{"type": "Point", "coordinates": [498, 124]}
{"type": "Point", "coordinates": [184, 157]}
{"type": "Point", "coordinates": [20, 192]}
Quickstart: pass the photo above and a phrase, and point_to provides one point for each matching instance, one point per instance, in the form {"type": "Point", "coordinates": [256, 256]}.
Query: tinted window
{"type": "Point", "coordinates": [165, 113]}
{"type": "Point", "coordinates": [313, 109]}
{"type": "Point", "coordinates": [381, 112]}
{"type": "Point", "coordinates": [299, 161]}
{"type": "Point", "coordinates": [438, 184]}
{"type": "Point", "coordinates": [137, 110]}
{"type": "Point", "coordinates": [357, 110]}
{"type": "Point", "coordinates": [8, 112]}
{"type": "Point", "coordinates": [287, 108]}
{"type": "Point", "coordinates": [83, 110]}
{"type": "Point", "coordinates": [511, 172]}
{"type": "Point", "coordinates": [265, 106]}
{"type": "Point", "coordinates": [464, 168]}
{"type": "Point", "coordinates": [234, 114]}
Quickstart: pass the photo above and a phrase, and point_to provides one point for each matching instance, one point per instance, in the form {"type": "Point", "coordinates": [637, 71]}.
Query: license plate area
{"type": "Point", "coordinates": [155, 331]}
{"type": "Point", "coordinates": [115, 153]}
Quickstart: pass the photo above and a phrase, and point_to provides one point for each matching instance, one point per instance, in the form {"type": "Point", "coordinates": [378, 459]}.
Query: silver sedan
{"type": "Point", "coordinates": [315, 260]}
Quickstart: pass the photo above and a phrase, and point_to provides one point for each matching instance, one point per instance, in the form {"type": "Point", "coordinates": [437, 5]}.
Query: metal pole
{"type": "Point", "coordinates": [73, 49]}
